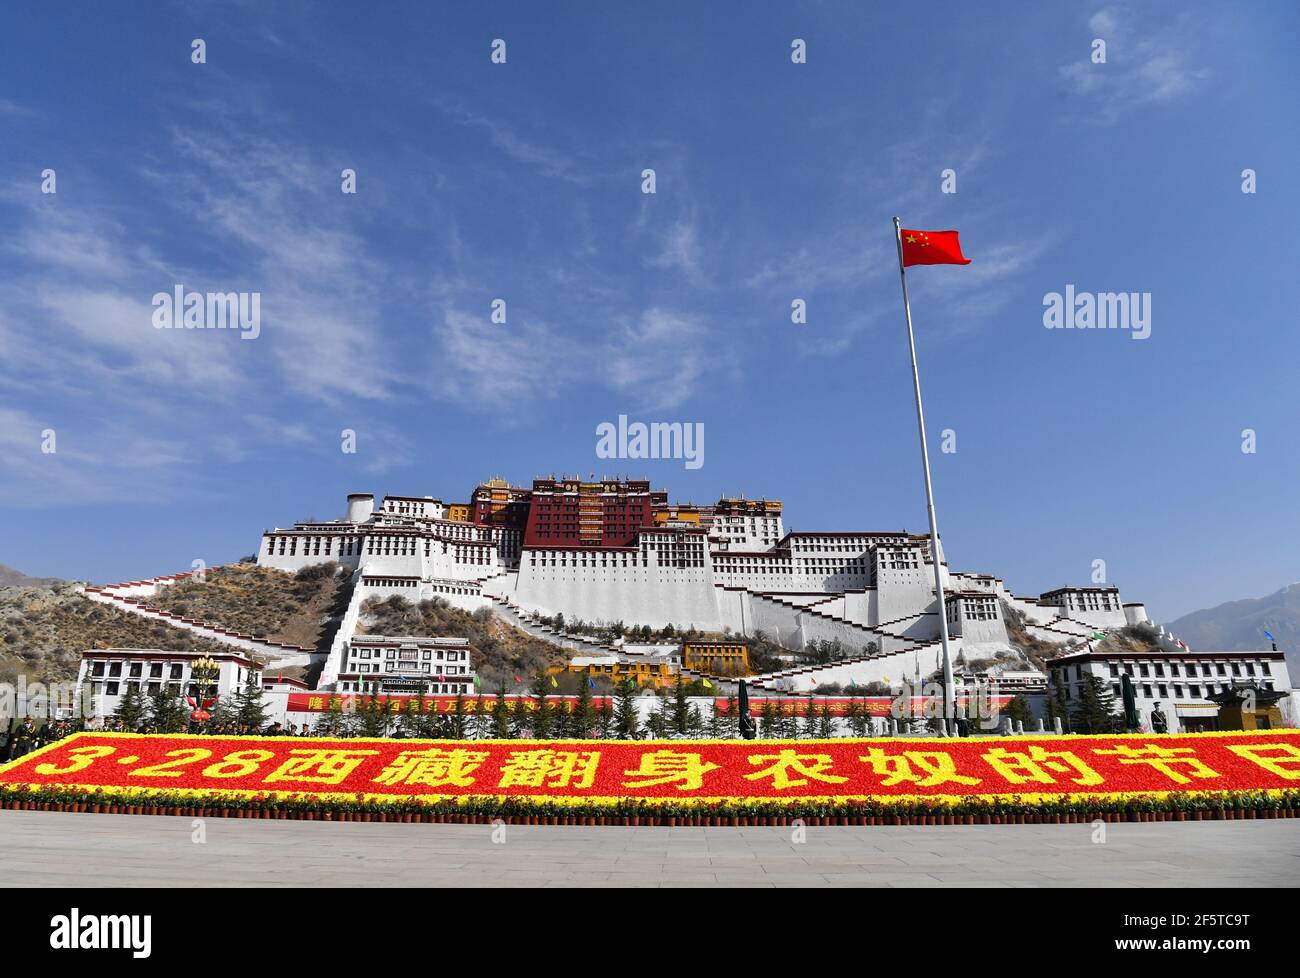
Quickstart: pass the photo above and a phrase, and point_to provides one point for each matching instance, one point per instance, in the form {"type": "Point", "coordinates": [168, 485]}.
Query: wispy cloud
{"type": "Point", "coordinates": [82, 295]}
{"type": "Point", "coordinates": [532, 152]}
{"type": "Point", "coordinates": [967, 299]}
{"type": "Point", "coordinates": [843, 257]}
{"type": "Point", "coordinates": [323, 292]}
{"type": "Point", "coordinates": [680, 250]}
{"type": "Point", "coordinates": [257, 215]}
{"type": "Point", "coordinates": [655, 359]}
{"type": "Point", "coordinates": [1146, 64]}
{"type": "Point", "coordinates": [91, 463]}
{"type": "Point", "coordinates": [503, 368]}
{"type": "Point", "coordinates": [497, 366]}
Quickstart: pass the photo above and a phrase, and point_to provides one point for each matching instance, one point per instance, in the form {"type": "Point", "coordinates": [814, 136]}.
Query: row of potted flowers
{"type": "Point", "coordinates": [952, 810]}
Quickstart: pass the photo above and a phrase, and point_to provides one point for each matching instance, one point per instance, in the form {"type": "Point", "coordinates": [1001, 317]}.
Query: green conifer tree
{"type": "Point", "coordinates": [768, 720]}
{"type": "Point", "coordinates": [542, 718]}
{"type": "Point", "coordinates": [659, 722]}
{"type": "Point", "coordinates": [680, 706]}
{"type": "Point", "coordinates": [584, 716]}
{"type": "Point", "coordinates": [249, 705]}
{"type": "Point", "coordinates": [412, 721]}
{"type": "Point", "coordinates": [459, 716]}
{"type": "Point", "coordinates": [1056, 708]}
{"type": "Point", "coordinates": [627, 723]}
{"type": "Point", "coordinates": [168, 712]}
{"type": "Point", "coordinates": [564, 722]}
{"type": "Point", "coordinates": [373, 717]}
{"type": "Point", "coordinates": [521, 720]}
{"type": "Point", "coordinates": [826, 721]}
{"type": "Point", "coordinates": [132, 708]}
{"type": "Point", "coordinates": [481, 721]}
{"type": "Point", "coordinates": [809, 718]}
{"type": "Point", "coordinates": [1019, 710]}
{"type": "Point", "coordinates": [330, 723]}
{"type": "Point", "coordinates": [789, 713]}
{"type": "Point", "coordinates": [605, 718]}
{"type": "Point", "coordinates": [717, 724]}
{"type": "Point", "coordinates": [501, 715]}
{"type": "Point", "coordinates": [853, 717]}
{"type": "Point", "coordinates": [1094, 712]}
{"type": "Point", "coordinates": [694, 722]}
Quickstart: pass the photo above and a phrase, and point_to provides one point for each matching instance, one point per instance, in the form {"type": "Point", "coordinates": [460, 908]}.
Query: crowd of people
{"type": "Point", "coordinates": [17, 740]}
{"type": "Point", "coordinates": [276, 729]}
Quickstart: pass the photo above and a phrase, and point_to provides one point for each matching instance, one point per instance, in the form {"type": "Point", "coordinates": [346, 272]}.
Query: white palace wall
{"type": "Point", "coordinates": [889, 670]}
{"type": "Point", "coordinates": [862, 606]}
{"type": "Point", "coordinates": [854, 638]}
{"type": "Point", "coordinates": [904, 593]}
{"type": "Point", "coordinates": [777, 621]}
{"type": "Point", "coordinates": [983, 633]}
{"type": "Point", "coordinates": [734, 611]}
{"type": "Point", "coordinates": [415, 553]}
{"type": "Point", "coordinates": [640, 593]}
{"type": "Point", "coordinates": [1101, 619]}
{"type": "Point", "coordinates": [305, 548]}
{"type": "Point", "coordinates": [920, 627]}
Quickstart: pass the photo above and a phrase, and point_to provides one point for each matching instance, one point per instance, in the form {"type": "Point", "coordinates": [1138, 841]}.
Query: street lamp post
{"type": "Point", "coordinates": [203, 674]}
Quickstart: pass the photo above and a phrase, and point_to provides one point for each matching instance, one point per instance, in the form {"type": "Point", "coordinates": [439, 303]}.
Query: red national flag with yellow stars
{"type": "Point", "coordinates": [932, 248]}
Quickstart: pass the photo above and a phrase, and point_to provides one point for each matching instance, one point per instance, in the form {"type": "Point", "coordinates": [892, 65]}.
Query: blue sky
{"type": "Point", "coordinates": [775, 181]}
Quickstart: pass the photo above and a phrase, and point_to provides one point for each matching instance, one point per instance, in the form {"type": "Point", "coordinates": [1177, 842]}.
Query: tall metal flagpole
{"type": "Point", "coordinates": [948, 698]}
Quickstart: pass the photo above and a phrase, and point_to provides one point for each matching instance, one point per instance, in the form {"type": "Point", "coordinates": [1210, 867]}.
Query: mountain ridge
{"type": "Point", "coordinates": [12, 577]}
{"type": "Point", "coordinates": [1241, 623]}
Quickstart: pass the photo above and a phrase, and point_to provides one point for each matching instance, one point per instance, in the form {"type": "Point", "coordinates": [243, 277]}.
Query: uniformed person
{"type": "Point", "coordinates": [1159, 722]}
{"type": "Point", "coordinates": [24, 739]}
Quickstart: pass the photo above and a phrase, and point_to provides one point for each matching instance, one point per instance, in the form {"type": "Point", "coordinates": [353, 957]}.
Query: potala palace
{"type": "Point", "coordinates": [618, 550]}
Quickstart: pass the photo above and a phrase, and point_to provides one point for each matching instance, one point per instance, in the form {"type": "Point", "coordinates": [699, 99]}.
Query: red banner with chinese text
{"type": "Point", "coordinates": [594, 769]}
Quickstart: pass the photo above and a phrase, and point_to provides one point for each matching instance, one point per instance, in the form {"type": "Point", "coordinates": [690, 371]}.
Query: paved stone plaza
{"type": "Point", "coordinates": [48, 849]}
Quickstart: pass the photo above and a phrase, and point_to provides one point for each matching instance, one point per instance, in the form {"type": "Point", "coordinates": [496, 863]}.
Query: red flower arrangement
{"type": "Point", "coordinates": [610, 773]}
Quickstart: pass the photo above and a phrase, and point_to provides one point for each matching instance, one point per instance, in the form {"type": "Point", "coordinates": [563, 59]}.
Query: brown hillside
{"type": "Point", "coordinates": [1035, 650]}
{"type": "Point", "coordinates": [499, 651]}
{"type": "Point", "coordinates": [43, 632]}
{"type": "Point", "coordinates": [295, 609]}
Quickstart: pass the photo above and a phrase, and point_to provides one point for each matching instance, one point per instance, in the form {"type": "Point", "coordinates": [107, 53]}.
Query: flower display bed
{"type": "Point", "coordinates": [939, 781]}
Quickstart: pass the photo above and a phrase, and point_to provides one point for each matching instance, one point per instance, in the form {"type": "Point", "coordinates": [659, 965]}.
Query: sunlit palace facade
{"type": "Point", "coordinates": [618, 550]}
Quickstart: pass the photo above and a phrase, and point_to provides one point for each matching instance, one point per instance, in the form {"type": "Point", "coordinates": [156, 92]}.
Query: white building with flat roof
{"type": "Point", "coordinates": [1180, 681]}
{"type": "Point", "coordinates": [407, 664]}
{"type": "Point", "coordinates": [1098, 606]}
{"type": "Point", "coordinates": [108, 673]}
